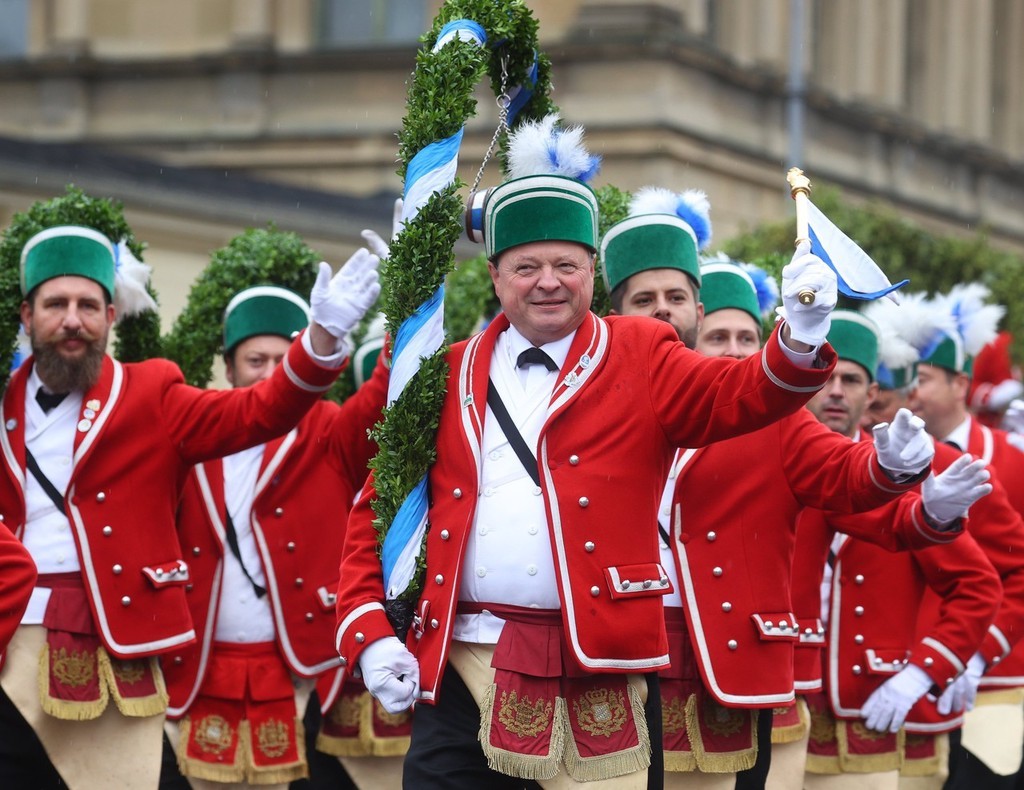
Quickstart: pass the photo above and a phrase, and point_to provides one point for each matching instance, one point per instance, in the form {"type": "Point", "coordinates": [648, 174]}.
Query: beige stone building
{"type": "Point", "coordinates": [209, 116]}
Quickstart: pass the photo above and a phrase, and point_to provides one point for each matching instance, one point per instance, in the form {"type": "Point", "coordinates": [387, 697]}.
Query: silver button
{"type": "Point", "coordinates": [949, 681]}
{"type": "Point", "coordinates": [291, 545]}
{"type": "Point", "coordinates": [856, 669]}
{"type": "Point", "coordinates": [858, 610]}
{"type": "Point", "coordinates": [360, 637]}
{"type": "Point", "coordinates": [768, 624]}
{"type": "Point", "coordinates": [595, 591]}
{"type": "Point", "coordinates": [726, 606]}
{"type": "Point", "coordinates": [647, 584]}
{"type": "Point", "coordinates": [279, 511]}
{"type": "Point", "coordinates": [108, 531]}
{"type": "Point", "coordinates": [712, 536]}
{"type": "Point", "coordinates": [439, 579]}
{"type": "Point", "coordinates": [159, 573]}
{"type": "Point", "coordinates": [808, 631]}
{"type": "Point", "coordinates": [299, 582]}
{"type": "Point", "coordinates": [716, 571]}
{"type": "Point", "coordinates": [309, 617]}
{"type": "Point", "coordinates": [859, 578]}
{"type": "Point", "coordinates": [101, 497]}
{"type": "Point", "coordinates": [445, 534]}
{"type": "Point", "coordinates": [434, 623]}
{"type": "Point", "coordinates": [126, 601]}
{"type": "Point", "coordinates": [624, 584]}
{"type": "Point", "coordinates": [179, 660]}
{"type": "Point", "coordinates": [457, 493]}
{"type": "Point", "coordinates": [928, 661]}
{"type": "Point", "coordinates": [117, 569]}
{"type": "Point", "coordinates": [584, 501]}
{"type": "Point", "coordinates": [859, 639]}
{"type": "Point", "coordinates": [11, 424]}
{"type": "Point", "coordinates": [733, 644]}
{"type": "Point", "coordinates": [589, 545]}
{"type": "Point", "coordinates": [195, 551]}
{"type": "Point", "coordinates": [574, 460]}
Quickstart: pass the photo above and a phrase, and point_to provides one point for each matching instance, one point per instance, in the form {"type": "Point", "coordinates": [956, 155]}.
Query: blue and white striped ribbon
{"type": "Point", "coordinates": [431, 170]}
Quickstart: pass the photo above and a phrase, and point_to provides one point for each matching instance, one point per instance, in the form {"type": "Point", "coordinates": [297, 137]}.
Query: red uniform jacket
{"type": "Point", "coordinates": [1008, 463]}
{"type": "Point", "coordinates": [17, 578]}
{"type": "Point", "coordinates": [307, 482]}
{"type": "Point", "coordinates": [630, 394]}
{"type": "Point", "coordinates": [875, 595]}
{"type": "Point", "coordinates": [999, 531]}
{"type": "Point", "coordinates": [734, 522]}
{"type": "Point", "coordinates": [129, 469]}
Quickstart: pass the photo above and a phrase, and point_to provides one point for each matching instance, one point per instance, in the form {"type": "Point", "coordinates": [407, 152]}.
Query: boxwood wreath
{"type": "Point", "coordinates": [439, 102]}
{"type": "Point", "coordinates": [137, 336]}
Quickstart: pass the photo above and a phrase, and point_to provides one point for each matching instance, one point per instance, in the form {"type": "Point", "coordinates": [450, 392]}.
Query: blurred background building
{"type": "Point", "coordinates": [209, 116]}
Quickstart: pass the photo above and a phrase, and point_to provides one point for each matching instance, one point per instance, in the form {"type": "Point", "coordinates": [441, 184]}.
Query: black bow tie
{"type": "Point", "coordinates": [954, 445]}
{"type": "Point", "coordinates": [535, 356]}
{"type": "Point", "coordinates": [49, 400]}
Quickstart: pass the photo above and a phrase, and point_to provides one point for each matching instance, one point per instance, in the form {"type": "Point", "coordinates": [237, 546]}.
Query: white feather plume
{"type": "Point", "coordinates": [976, 321]}
{"type": "Point", "coordinates": [544, 148]}
{"type": "Point", "coordinates": [130, 279]}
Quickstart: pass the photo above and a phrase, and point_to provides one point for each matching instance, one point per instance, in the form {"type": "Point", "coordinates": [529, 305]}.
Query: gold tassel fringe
{"type": "Point", "coordinates": [523, 766]}
{"type": "Point", "coordinates": [593, 769]}
{"type": "Point", "coordinates": [717, 762]}
{"type": "Point", "coordinates": [68, 710]}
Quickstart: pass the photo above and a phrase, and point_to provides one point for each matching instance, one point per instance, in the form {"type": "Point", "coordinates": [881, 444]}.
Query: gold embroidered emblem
{"type": "Point", "coordinates": [720, 720]}
{"type": "Point", "coordinates": [128, 672]}
{"type": "Point", "coordinates": [345, 713]}
{"type": "Point", "coordinates": [600, 711]}
{"type": "Point", "coordinates": [273, 737]}
{"type": "Point", "coordinates": [77, 668]}
{"type": "Point", "coordinates": [523, 718]}
{"type": "Point", "coordinates": [389, 719]}
{"type": "Point", "coordinates": [673, 716]}
{"type": "Point", "coordinates": [213, 734]}
{"type": "Point", "coordinates": [780, 711]}
{"type": "Point", "coordinates": [823, 728]}
{"type": "Point", "coordinates": [862, 733]}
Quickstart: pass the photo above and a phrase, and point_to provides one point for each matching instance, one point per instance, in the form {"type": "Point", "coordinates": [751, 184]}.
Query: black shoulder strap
{"type": "Point", "coordinates": [51, 490]}
{"type": "Point", "coordinates": [526, 456]}
{"type": "Point", "coordinates": [232, 536]}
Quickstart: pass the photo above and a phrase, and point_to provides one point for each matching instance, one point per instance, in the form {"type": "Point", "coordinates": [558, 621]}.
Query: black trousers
{"type": "Point", "coordinates": [23, 760]}
{"type": "Point", "coordinates": [754, 778]}
{"type": "Point", "coordinates": [967, 772]}
{"type": "Point", "coordinates": [445, 750]}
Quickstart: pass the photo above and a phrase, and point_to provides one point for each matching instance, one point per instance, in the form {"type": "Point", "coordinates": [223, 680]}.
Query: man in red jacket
{"type": "Point", "coordinates": [748, 536]}
{"type": "Point", "coordinates": [265, 528]}
{"type": "Point", "coordinates": [541, 612]}
{"type": "Point", "coordinates": [96, 454]}
{"type": "Point", "coordinates": [874, 666]}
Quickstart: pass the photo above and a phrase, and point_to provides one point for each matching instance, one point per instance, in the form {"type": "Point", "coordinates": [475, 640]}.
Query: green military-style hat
{"type": "Point", "coordinates": [264, 310]}
{"type": "Point", "coordinates": [664, 230]}
{"type": "Point", "coordinates": [728, 284]}
{"type": "Point", "coordinates": [855, 338]}
{"type": "Point", "coordinates": [963, 325]}
{"type": "Point", "coordinates": [68, 250]}
{"type": "Point", "coordinates": [546, 197]}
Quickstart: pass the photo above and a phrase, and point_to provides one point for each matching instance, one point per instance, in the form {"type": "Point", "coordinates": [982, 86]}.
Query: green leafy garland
{"type": "Point", "coordinates": [138, 336]}
{"type": "Point", "coordinates": [440, 101]}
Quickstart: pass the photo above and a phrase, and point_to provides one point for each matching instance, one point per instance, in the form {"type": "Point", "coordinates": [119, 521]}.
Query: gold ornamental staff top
{"type": "Point", "coordinates": [800, 189]}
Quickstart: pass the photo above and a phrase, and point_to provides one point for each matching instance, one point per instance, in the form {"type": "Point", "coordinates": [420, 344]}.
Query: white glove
{"type": "Point", "coordinates": [377, 245]}
{"type": "Point", "coordinates": [1004, 393]}
{"type": "Point", "coordinates": [1013, 417]}
{"type": "Point", "coordinates": [946, 497]}
{"type": "Point", "coordinates": [889, 704]}
{"type": "Point", "coordinates": [338, 303]}
{"type": "Point", "coordinates": [391, 673]}
{"type": "Point", "coordinates": [959, 696]}
{"type": "Point", "coordinates": [903, 447]}
{"type": "Point", "coordinates": [808, 323]}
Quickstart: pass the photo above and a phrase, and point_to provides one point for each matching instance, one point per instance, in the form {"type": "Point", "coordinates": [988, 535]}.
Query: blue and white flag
{"type": "Point", "coordinates": [858, 276]}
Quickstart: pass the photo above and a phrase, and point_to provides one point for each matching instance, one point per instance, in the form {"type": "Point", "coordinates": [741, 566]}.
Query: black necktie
{"type": "Point", "coordinates": [49, 400]}
{"type": "Point", "coordinates": [535, 356]}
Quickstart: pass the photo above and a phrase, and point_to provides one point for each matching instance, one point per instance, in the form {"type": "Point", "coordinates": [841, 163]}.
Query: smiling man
{"type": "Point", "coordinates": [541, 614]}
{"type": "Point", "coordinates": [95, 456]}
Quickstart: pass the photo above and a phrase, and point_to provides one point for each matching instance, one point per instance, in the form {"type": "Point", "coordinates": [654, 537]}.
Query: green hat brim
{"type": "Point", "coordinates": [68, 250]}
{"type": "Point", "coordinates": [264, 310]}
{"type": "Point", "coordinates": [648, 241]}
{"type": "Point", "coordinates": [539, 208]}
{"type": "Point", "coordinates": [726, 286]}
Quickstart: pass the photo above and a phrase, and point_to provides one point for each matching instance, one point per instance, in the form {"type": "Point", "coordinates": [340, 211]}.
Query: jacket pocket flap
{"type": "Point", "coordinates": [167, 574]}
{"type": "Point", "coordinates": [645, 579]}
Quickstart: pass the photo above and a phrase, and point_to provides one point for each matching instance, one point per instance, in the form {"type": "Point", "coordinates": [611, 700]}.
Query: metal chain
{"type": "Point", "coordinates": [503, 101]}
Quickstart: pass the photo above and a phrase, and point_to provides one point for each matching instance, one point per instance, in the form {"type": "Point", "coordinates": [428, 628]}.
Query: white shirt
{"type": "Point", "coordinates": [47, 535]}
{"type": "Point", "coordinates": [508, 556]}
{"type": "Point", "coordinates": [241, 616]}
